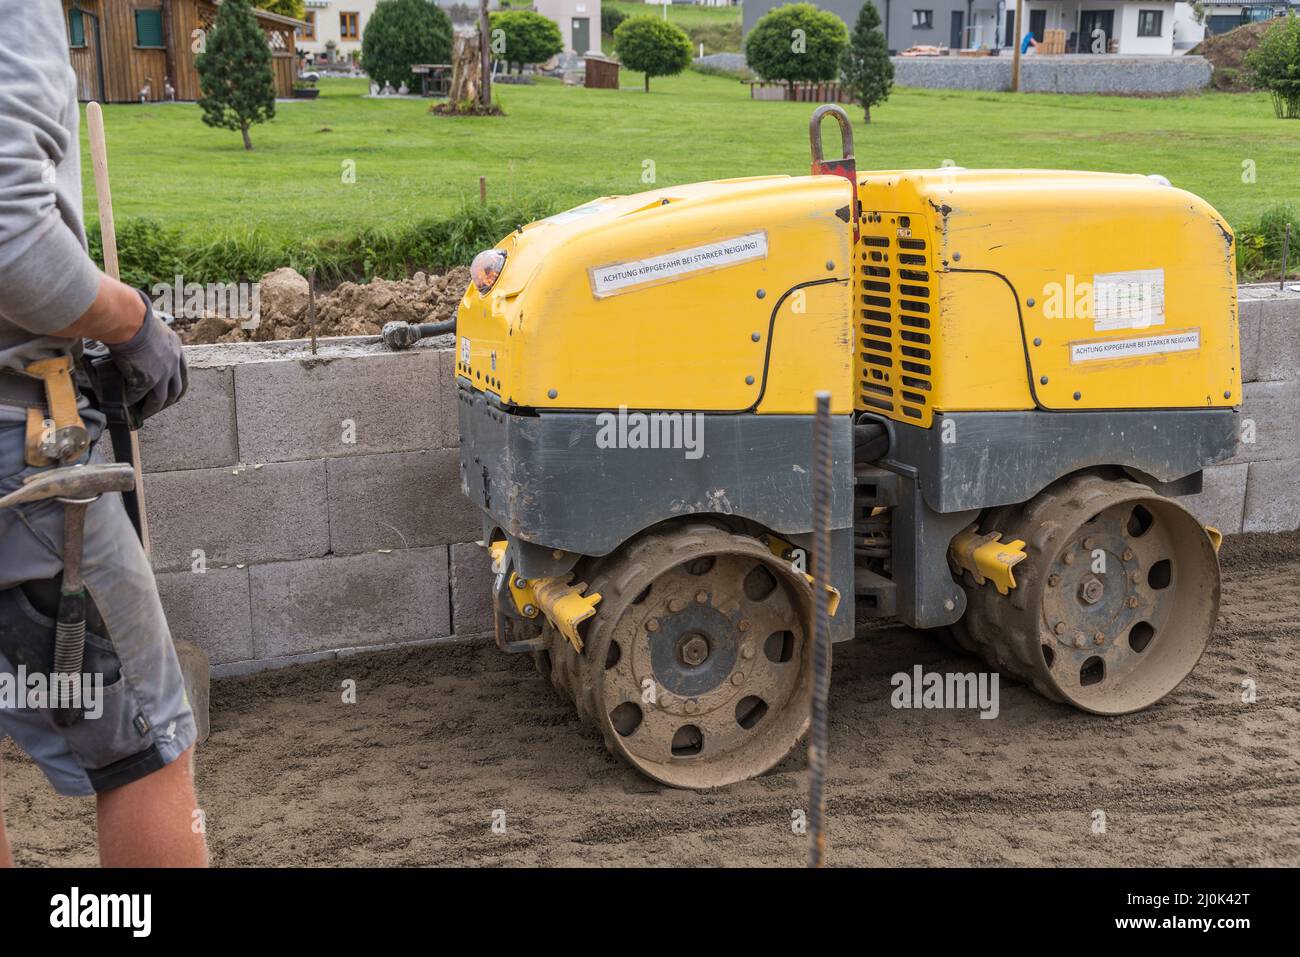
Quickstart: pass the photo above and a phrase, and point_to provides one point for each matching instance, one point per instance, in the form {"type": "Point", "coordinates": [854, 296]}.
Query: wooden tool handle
{"type": "Point", "coordinates": [99, 163]}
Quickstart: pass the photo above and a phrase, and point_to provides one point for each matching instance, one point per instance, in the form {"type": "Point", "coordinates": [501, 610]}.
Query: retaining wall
{"type": "Point", "coordinates": [301, 506]}
{"type": "Point", "coordinates": [1067, 73]}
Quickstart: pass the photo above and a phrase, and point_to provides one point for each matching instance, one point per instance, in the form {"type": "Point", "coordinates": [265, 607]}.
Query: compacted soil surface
{"type": "Point", "coordinates": [445, 741]}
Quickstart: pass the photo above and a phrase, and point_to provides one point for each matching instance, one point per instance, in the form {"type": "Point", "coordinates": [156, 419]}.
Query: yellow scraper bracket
{"type": "Point", "coordinates": [796, 557]}
{"type": "Point", "coordinates": [986, 557]}
{"type": "Point", "coordinates": [1216, 537]}
{"type": "Point", "coordinates": [565, 605]}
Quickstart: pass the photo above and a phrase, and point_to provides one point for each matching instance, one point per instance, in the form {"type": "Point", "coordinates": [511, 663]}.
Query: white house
{"type": "Point", "coordinates": [341, 22]}
{"type": "Point", "coordinates": [579, 22]}
{"type": "Point", "coordinates": [1109, 26]}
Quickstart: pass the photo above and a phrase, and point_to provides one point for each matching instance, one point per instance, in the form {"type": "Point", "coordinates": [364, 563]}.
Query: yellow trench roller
{"type": "Point", "coordinates": [1027, 370]}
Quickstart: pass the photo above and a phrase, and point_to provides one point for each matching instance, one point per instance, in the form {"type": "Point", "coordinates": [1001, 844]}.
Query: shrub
{"type": "Point", "coordinates": [610, 18]}
{"type": "Point", "coordinates": [235, 78]}
{"type": "Point", "coordinates": [1275, 66]}
{"type": "Point", "coordinates": [867, 71]}
{"type": "Point", "coordinates": [652, 46]}
{"type": "Point", "coordinates": [401, 33]}
{"type": "Point", "coordinates": [797, 43]}
{"type": "Point", "coordinates": [1259, 244]}
{"type": "Point", "coordinates": [524, 37]}
{"type": "Point", "coordinates": [286, 8]}
{"type": "Point", "coordinates": [152, 253]}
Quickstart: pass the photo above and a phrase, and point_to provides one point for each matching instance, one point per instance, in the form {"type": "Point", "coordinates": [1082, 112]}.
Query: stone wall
{"type": "Point", "coordinates": [1068, 73]}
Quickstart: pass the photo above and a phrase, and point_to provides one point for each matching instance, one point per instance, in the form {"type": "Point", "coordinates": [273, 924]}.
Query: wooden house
{"type": "Point", "coordinates": [129, 51]}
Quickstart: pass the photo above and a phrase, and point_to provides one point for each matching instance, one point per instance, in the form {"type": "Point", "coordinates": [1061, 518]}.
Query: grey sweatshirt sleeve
{"type": "Point", "coordinates": [47, 280]}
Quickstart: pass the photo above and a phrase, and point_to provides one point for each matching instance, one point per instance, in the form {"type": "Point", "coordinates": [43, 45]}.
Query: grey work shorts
{"type": "Point", "coordinates": [144, 720]}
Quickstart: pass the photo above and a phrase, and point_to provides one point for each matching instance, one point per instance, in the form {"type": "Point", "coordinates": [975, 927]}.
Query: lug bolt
{"type": "Point", "coordinates": [1068, 558]}
{"type": "Point", "coordinates": [530, 611]}
{"type": "Point", "coordinates": [1135, 578]}
{"type": "Point", "coordinates": [1132, 601]}
{"type": "Point", "coordinates": [676, 604]}
{"type": "Point", "coordinates": [738, 678]}
{"type": "Point", "coordinates": [702, 597]}
{"type": "Point", "coordinates": [1080, 641]}
{"type": "Point", "coordinates": [1053, 581]}
{"type": "Point", "coordinates": [652, 624]}
{"type": "Point", "coordinates": [747, 652]}
{"type": "Point", "coordinates": [743, 624]}
{"type": "Point", "coordinates": [1089, 544]}
{"type": "Point", "coordinates": [1099, 638]}
{"type": "Point", "coordinates": [1059, 628]}
{"type": "Point", "coordinates": [1128, 555]}
{"type": "Point", "coordinates": [692, 706]}
{"type": "Point", "coordinates": [1090, 591]}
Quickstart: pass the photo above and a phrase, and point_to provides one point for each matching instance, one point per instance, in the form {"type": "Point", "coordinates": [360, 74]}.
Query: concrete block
{"type": "Point", "coordinates": [211, 610]}
{"type": "Point", "coordinates": [196, 672]}
{"type": "Point", "coordinates": [398, 500]}
{"type": "Point", "coordinates": [1273, 496]}
{"type": "Point", "coordinates": [1250, 316]}
{"type": "Point", "coordinates": [1222, 500]}
{"type": "Point", "coordinates": [471, 589]}
{"type": "Point", "coordinates": [451, 427]}
{"type": "Point", "coordinates": [349, 601]}
{"type": "Point", "coordinates": [1279, 341]}
{"type": "Point", "coordinates": [198, 432]}
{"type": "Point", "coordinates": [1271, 416]}
{"type": "Point", "coordinates": [327, 407]}
{"type": "Point", "coordinates": [238, 515]}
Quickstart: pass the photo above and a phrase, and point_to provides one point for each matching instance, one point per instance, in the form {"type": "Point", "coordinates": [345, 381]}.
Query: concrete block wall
{"type": "Point", "coordinates": [1068, 73]}
{"type": "Point", "coordinates": [1258, 490]}
{"type": "Point", "coordinates": [302, 505]}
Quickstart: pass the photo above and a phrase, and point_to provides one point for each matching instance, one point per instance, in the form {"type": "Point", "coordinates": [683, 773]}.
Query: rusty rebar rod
{"type": "Point", "coordinates": [821, 632]}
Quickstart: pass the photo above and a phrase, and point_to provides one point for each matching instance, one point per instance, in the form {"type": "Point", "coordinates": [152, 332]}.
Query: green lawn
{"type": "Point", "coordinates": [565, 145]}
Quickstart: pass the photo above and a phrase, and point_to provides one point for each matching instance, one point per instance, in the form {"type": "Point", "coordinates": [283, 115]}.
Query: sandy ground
{"type": "Point", "coordinates": [440, 738]}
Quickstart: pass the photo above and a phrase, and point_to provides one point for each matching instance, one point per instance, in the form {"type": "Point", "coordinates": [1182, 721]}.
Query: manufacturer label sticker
{"type": "Point", "coordinates": [1128, 300]}
{"type": "Point", "coordinates": [622, 277]}
{"type": "Point", "coordinates": [464, 350]}
{"type": "Point", "coordinates": [1187, 341]}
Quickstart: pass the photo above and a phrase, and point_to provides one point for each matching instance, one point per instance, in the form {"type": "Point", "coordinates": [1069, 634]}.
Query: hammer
{"type": "Point", "coordinates": [75, 486]}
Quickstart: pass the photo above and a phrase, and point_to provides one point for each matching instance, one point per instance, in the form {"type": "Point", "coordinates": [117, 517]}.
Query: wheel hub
{"type": "Point", "coordinates": [693, 651]}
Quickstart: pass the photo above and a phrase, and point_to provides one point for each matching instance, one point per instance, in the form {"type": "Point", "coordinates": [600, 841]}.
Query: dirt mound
{"type": "Point", "coordinates": [351, 309]}
{"type": "Point", "coordinates": [1227, 54]}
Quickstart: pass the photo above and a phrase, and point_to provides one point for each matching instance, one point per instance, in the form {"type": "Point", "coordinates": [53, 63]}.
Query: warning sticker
{"type": "Point", "coordinates": [1187, 341]}
{"type": "Point", "coordinates": [464, 350]}
{"type": "Point", "coordinates": [621, 277]}
{"type": "Point", "coordinates": [1128, 300]}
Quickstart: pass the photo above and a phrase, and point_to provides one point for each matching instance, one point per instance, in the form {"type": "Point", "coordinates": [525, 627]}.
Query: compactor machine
{"type": "Point", "coordinates": [1027, 368]}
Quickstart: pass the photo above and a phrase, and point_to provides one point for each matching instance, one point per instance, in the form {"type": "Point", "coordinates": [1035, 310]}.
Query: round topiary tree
{"type": "Point", "coordinates": [401, 33]}
{"type": "Point", "coordinates": [652, 46]}
{"type": "Point", "coordinates": [236, 83]}
{"type": "Point", "coordinates": [1275, 66]}
{"type": "Point", "coordinates": [866, 71]}
{"type": "Point", "coordinates": [522, 36]}
{"type": "Point", "coordinates": [797, 43]}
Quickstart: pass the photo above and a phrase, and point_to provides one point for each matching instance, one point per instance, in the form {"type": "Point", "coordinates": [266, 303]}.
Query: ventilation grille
{"type": "Point", "coordinates": [897, 313]}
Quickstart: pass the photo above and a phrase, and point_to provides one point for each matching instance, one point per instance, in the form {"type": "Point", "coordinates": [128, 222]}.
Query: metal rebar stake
{"type": "Point", "coordinates": [821, 555]}
{"type": "Point", "coordinates": [1286, 252]}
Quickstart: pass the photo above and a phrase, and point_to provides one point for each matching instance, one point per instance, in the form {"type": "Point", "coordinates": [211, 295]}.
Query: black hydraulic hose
{"type": "Point", "coordinates": [403, 335]}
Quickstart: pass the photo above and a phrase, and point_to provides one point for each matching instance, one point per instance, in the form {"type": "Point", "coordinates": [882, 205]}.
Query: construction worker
{"type": "Point", "coordinates": [133, 751]}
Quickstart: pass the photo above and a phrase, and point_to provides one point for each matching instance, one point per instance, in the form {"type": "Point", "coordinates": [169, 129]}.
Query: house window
{"type": "Point", "coordinates": [148, 29]}
{"type": "Point", "coordinates": [923, 19]}
{"type": "Point", "coordinates": [1150, 23]}
{"type": "Point", "coordinates": [310, 33]}
{"type": "Point", "coordinates": [76, 29]}
{"type": "Point", "coordinates": [349, 26]}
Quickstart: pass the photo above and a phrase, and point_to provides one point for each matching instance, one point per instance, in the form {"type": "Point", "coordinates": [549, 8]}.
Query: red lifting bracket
{"type": "Point", "coordinates": [847, 166]}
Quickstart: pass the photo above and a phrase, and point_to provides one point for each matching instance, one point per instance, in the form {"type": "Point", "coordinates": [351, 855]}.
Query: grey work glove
{"type": "Point", "coordinates": [152, 364]}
